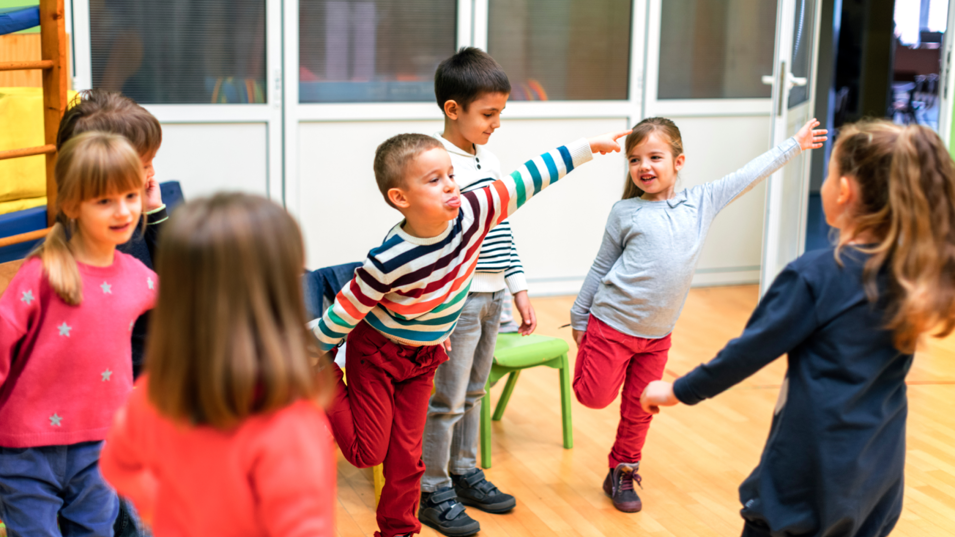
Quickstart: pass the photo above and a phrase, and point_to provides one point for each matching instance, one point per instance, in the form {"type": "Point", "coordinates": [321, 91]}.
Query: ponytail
{"type": "Point", "coordinates": [59, 265]}
{"type": "Point", "coordinates": [907, 183]}
{"type": "Point", "coordinates": [90, 165]}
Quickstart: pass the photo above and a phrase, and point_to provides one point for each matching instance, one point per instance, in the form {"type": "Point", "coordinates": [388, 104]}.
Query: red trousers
{"type": "Point", "coordinates": [608, 359]}
{"type": "Point", "coordinates": [379, 418]}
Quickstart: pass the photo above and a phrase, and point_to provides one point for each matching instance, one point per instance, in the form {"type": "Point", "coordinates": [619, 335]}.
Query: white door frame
{"type": "Point", "coordinates": [269, 113]}
{"type": "Point", "coordinates": [947, 79]}
{"type": "Point", "coordinates": [772, 229]}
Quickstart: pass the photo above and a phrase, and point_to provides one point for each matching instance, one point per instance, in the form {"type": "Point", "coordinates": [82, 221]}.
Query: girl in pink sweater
{"type": "Point", "coordinates": [223, 435]}
{"type": "Point", "coordinates": [65, 363]}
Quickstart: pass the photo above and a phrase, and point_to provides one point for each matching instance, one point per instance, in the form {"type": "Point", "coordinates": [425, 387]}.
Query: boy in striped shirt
{"type": "Point", "coordinates": [404, 301]}
{"type": "Point", "coordinates": [472, 91]}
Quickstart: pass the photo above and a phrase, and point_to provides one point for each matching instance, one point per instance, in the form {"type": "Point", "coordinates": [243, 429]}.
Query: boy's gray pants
{"type": "Point", "coordinates": [454, 412]}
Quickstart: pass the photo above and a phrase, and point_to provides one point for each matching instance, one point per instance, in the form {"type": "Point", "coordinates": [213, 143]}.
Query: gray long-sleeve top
{"type": "Point", "coordinates": [642, 274]}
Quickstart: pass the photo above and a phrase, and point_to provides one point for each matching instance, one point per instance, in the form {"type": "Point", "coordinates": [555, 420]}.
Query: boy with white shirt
{"type": "Point", "coordinates": [472, 91]}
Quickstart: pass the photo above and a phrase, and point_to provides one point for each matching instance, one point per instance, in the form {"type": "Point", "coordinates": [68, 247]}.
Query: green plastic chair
{"type": "Point", "coordinates": [513, 353]}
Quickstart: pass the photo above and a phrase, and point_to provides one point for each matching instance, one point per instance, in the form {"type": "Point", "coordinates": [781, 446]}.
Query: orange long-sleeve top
{"type": "Point", "coordinates": [274, 474]}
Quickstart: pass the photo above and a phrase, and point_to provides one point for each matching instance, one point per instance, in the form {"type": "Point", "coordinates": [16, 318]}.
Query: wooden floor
{"type": "Point", "coordinates": [695, 457]}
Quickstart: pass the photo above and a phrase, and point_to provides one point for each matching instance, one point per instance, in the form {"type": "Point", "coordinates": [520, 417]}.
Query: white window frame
{"type": "Point", "coordinates": [688, 107]}
{"type": "Point", "coordinates": [472, 21]}
{"type": "Point", "coordinates": [282, 113]}
{"type": "Point", "coordinates": [269, 113]}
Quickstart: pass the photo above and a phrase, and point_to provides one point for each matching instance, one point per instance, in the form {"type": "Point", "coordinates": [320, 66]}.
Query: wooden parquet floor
{"type": "Point", "coordinates": [695, 457]}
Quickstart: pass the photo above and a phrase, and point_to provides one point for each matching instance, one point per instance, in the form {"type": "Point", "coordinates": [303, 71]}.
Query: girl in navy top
{"type": "Point", "coordinates": [849, 319]}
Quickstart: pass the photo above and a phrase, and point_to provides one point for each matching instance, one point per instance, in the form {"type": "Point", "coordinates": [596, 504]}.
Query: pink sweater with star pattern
{"type": "Point", "coordinates": [65, 370]}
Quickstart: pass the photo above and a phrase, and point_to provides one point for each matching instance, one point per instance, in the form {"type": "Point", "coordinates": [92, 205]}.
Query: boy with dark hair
{"type": "Point", "coordinates": [472, 91]}
{"type": "Point", "coordinates": [110, 111]}
{"type": "Point", "coordinates": [405, 300]}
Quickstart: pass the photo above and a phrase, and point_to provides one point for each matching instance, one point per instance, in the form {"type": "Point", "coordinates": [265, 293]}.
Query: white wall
{"type": "Point", "coordinates": [341, 211]}
{"type": "Point", "coordinates": [732, 253]}
{"type": "Point", "coordinates": [208, 158]}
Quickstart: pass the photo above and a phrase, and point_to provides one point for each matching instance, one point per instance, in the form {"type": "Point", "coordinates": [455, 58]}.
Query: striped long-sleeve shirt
{"type": "Point", "coordinates": [498, 265]}
{"type": "Point", "coordinates": [412, 289]}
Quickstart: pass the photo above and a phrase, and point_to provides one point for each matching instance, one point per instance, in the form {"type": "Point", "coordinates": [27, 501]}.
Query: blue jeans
{"type": "Point", "coordinates": [454, 412]}
{"type": "Point", "coordinates": [39, 484]}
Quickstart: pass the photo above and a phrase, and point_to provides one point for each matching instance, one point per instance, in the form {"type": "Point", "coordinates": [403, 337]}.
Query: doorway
{"type": "Point", "coordinates": [878, 58]}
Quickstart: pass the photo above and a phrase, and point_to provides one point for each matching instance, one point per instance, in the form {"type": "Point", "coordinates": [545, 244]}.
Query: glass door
{"type": "Point", "coordinates": [793, 85]}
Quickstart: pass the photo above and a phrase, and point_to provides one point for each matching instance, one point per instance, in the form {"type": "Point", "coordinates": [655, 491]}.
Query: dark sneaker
{"type": "Point", "coordinates": [440, 510]}
{"type": "Point", "coordinates": [474, 490]}
{"type": "Point", "coordinates": [619, 486]}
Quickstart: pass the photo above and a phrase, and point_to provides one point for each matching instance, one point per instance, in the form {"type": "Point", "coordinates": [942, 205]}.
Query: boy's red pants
{"type": "Point", "coordinates": [608, 359]}
{"type": "Point", "coordinates": [379, 418]}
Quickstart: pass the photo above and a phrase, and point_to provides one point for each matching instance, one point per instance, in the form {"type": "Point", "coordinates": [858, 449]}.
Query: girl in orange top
{"type": "Point", "coordinates": [224, 435]}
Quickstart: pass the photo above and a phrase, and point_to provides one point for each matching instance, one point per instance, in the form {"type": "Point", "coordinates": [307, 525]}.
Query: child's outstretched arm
{"type": "Point", "coordinates": [734, 185]}
{"type": "Point", "coordinates": [784, 318]}
{"type": "Point", "coordinates": [500, 199]}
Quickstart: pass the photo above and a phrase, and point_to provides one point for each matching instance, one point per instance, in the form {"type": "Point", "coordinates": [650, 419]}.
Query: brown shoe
{"type": "Point", "coordinates": [619, 486]}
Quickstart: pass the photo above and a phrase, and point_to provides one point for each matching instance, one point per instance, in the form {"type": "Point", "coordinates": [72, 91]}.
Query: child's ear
{"type": "Point", "coordinates": [452, 109]}
{"type": "Point", "coordinates": [846, 191]}
{"type": "Point", "coordinates": [679, 162]}
{"type": "Point", "coordinates": [398, 198]}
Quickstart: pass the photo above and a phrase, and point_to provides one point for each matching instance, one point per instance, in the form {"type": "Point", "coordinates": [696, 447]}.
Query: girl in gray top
{"type": "Point", "coordinates": [635, 290]}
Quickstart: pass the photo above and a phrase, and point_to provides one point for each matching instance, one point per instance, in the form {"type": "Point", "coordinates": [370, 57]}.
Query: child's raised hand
{"type": "Point", "coordinates": [809, 137]}
{"type": "Point", "coordinates": [153, 195]}
{"type": "Point", "coordinates": [658, 393]}
{"type": "Point", "coordinates": [606, 143]}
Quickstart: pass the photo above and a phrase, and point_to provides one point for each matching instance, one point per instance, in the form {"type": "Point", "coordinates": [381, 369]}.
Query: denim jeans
{"type": "Point", "coordinates": [37, 484]}
{"type": "Point", "coordinates": [454, 412]}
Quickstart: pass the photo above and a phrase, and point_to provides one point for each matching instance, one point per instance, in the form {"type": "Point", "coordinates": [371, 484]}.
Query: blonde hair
{"type": "Point", "coordinates": [670, 134]}
{"type": "Point", "coordinates": [906, 180]}
{"type": "Point", "coordinates": [89, 166]}
{"type": "Point", "coordinates": [228, 336]}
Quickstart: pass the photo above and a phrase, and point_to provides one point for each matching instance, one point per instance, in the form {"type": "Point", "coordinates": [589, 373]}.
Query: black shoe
{"type": "Point", "coordinates": [619, 486]}
{"type": "Point", "coordinates": [474, 490]}
{"type": "Point", "coordinates": [440, 510]}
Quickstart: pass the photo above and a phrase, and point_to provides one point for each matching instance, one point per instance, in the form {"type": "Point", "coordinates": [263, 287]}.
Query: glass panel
{"type": "Point", "coordinates": [802, 48]}
{"type": "Point", "coordinates": [180, 51]}
{"type": "Point", "coordinates": [716, 49]}
{"type": "Point", "coordinates": [373, 51]}
{"type": "Point", "coordinates": [562, 50]}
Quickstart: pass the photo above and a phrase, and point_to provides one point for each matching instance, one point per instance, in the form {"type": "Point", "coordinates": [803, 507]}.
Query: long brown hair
{"type": "Point", "coordinates": [89, 166]}
{"type": "Point", "coordinates": [228, 336]}
{"type": "Point", "coordinates": [906, 180]}
{"type": "Point", "coordinates": [670, 133]}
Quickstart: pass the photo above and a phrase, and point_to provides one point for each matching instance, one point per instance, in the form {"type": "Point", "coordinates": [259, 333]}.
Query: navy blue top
{"type": "Point", "coordinates": [834, 459]}
{"type": "Point", "coordinates": [142, 246]}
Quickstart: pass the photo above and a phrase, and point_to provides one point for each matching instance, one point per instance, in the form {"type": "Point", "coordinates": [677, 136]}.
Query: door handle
{"type": "Point", "coordinates": [797, 81]}
{"type": "Point", "coordinates": [768, 79]}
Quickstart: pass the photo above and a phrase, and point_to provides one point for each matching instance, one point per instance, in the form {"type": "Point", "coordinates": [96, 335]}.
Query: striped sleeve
{"type": "Point", "coordinates": [514, 274]}
{"type": "Point", "coordinates": [504, 196]}
{"type": "Point", "coordinates": [351, 305]}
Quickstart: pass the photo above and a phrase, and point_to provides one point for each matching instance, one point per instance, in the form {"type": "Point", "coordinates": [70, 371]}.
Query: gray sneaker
{"type": "Point", "coordinates": [619, 486]}
{"type": "Point", "coordinates": [475, 490]}
{"type": "Point", "coordinates": [440, 510]}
